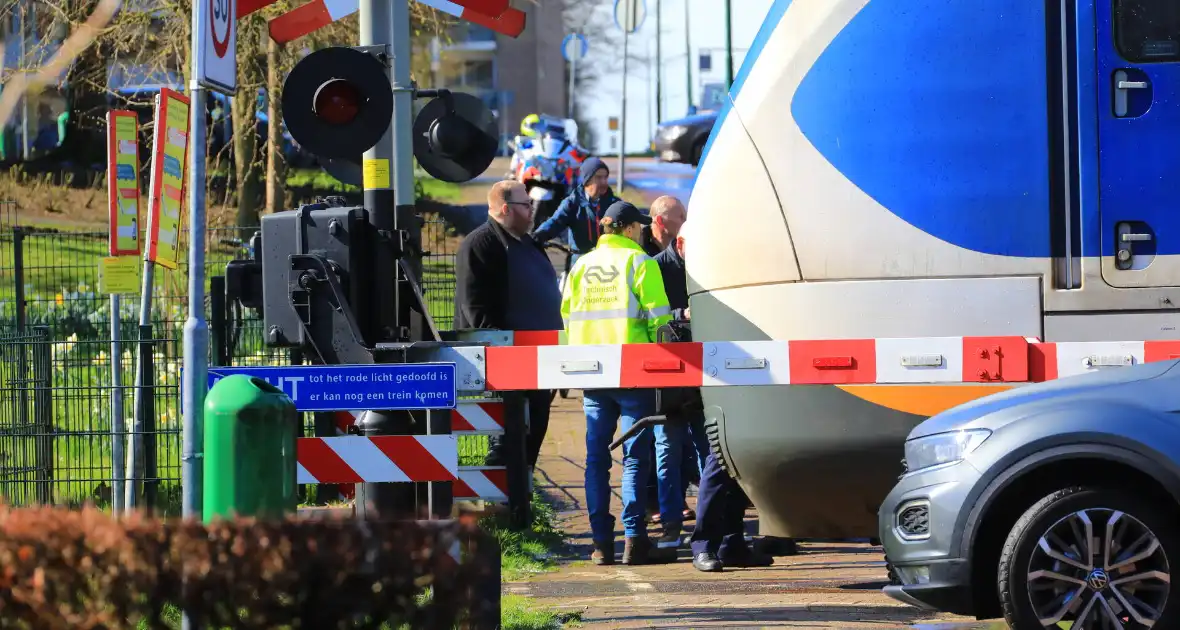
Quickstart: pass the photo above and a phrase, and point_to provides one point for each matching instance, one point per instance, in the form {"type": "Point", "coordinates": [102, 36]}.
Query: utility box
{"type": "Point", "coordinates": [340, 236]}
{"type": "Point", "coordinates": [251, 429]}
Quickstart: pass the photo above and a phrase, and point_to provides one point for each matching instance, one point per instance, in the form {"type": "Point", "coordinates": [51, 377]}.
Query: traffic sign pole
{"type": "Point", "coordinates": [573, 48]}
{"type": "Point", "coordinates": [623, 119]}
{"type": "Point", "coordinates": [214, 64]}
{"type": "Point", "coordinates": [573, 80]}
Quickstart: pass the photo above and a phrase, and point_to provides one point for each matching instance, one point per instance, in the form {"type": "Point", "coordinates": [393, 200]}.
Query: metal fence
{"type": "Point", "coordinates": [65, 382]}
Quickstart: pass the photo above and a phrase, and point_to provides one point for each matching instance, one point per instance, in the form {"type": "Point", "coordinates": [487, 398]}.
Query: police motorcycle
{"type": "Point", "coordinates": [547, 162]}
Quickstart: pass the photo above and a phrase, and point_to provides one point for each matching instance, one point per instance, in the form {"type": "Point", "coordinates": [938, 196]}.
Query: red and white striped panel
{"type": "Point", "coordinates": [488, 483]}
{"type": "Point", "coordinates": [481, 418]}
{"type": "Point", "coordinates": [1069, 358]}
{"type": "Point", "coordinates": [307, 18]}
{"type": "Point", "coordinates": [388, 458]}
{"type": "Point", "coordinates": [928, 360]}
{"type": "Point", "coordinates": [835, 362]}
{"type": "Point", "coordinates": [492, 14]}
{"type": "Point", "coordinates": [477, 418]}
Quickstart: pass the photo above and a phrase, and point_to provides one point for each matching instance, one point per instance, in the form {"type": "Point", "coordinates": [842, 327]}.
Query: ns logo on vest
{"type": "Point", "coordinates": [601, 275]}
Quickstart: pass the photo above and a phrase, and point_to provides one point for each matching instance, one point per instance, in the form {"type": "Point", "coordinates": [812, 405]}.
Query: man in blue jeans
{"type": "Point", "coordinates": [671, 262]}
{"type": "Point", "coordinates": [615, 295]}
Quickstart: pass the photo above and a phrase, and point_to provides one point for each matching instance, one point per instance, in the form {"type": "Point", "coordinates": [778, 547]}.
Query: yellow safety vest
{"type": "Point", "coordinates": [614, 294]}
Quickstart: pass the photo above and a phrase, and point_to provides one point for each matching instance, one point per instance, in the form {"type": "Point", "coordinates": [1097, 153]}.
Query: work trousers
{"type": "Point", "coordinates": [608, 410]}
{"type": "Point", "coordinates": [721, 512]}
{"type": "Point", "coordinates": [696, 449]}
{"type": "Point", "coordinates": [539, 402]}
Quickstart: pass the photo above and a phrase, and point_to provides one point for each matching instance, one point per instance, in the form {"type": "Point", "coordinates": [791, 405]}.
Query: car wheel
{"type": "Point", "coordinates": [697, 151]}
{"type": "Point", "coordinates": [1096, 557]}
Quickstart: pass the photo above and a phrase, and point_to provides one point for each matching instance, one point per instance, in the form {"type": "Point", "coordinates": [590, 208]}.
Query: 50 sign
{"type": "Point", "coordinates": [217, 57]}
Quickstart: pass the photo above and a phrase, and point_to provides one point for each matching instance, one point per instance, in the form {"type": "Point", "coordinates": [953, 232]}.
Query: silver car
{"type": "Point", "coordinates": [1045, 504]}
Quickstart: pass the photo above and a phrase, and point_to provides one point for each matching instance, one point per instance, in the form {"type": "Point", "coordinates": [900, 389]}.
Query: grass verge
{"type": "Point", "coordinates": [321, 181]}
{"type": "Point", "coordinates": [529, 551]}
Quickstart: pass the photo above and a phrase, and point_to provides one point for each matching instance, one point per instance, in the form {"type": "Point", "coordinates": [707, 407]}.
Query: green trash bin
{"type": "Point", "coordinates": [250, 459]}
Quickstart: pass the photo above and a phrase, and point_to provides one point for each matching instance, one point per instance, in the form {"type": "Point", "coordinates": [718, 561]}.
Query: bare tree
{"type": "Point", "coordinates": [603, 64]}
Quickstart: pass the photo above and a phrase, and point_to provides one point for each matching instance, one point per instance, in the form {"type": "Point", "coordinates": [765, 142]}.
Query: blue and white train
{"type": "Point", "coordinates": [922, 168]}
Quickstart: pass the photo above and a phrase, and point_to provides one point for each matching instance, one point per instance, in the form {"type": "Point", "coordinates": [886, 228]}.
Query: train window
{"type": "Point", "coordinates": [1147, 31]}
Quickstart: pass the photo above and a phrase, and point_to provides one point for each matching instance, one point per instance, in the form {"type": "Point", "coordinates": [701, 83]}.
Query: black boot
{"type": "Point", "coordinates": [604, 553]}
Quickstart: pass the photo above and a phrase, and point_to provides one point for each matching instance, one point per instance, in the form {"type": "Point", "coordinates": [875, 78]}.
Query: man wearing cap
{"type": "Point", "coordinates": [615, 295]}
{"type": "Point", "coordinates": [581, 211]}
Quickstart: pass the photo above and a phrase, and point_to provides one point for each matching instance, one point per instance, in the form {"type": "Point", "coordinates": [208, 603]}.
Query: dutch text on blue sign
{"type": "Point", "coordinates": [354, 387]}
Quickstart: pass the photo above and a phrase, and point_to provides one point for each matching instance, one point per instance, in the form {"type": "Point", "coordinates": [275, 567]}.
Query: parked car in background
{"type": "Point", "coordinates": [683, 140]}
{"type": "Point", "coordinates": [1046, 504]}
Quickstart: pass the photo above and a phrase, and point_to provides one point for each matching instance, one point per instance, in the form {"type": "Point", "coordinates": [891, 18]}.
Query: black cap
{"type": "Point", "coordinates": [622, 213]}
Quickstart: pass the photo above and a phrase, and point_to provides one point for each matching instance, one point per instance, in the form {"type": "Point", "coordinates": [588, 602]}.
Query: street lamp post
{"type": "Point", "coordinates": [659, 66]}
{"type": "Point", "coordinates": [687, 57]}
{"type": "Point", "coordinates": [728, 46]}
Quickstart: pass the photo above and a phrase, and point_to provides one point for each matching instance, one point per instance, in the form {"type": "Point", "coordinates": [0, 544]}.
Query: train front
{"type": "Point", "coordinates": [879, 171]}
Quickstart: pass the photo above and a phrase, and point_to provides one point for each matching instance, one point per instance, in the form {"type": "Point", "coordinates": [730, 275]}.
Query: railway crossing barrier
{"type": "Point", "coordinates": [540, 360]}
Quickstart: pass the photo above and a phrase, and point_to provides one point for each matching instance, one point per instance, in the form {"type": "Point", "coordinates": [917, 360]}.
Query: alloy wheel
{"type": "Point", "coordinates": [1101, 568]}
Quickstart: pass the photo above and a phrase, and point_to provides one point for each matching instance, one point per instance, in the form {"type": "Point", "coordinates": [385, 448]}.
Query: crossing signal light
{"type": "Point", "coordinates": [455, 137]}
{"type": "Point", "coordinates": [337, 102]}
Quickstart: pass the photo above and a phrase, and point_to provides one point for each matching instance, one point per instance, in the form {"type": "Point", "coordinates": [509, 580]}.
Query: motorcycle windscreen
{"type": "Point", "coordinates": [552, 147]}
{"type": "Point", "coordinates": [540, 193]}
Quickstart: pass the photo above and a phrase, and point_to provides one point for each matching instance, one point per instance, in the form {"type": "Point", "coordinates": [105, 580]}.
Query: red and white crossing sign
{"type": "Point", "coordinates": [307, 18]}
{"type": "Point", "coordinates": [216, 56]}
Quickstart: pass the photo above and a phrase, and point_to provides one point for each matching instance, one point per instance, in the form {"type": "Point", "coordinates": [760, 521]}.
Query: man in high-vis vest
{"type": "Point", "coordinates": [615, 295]}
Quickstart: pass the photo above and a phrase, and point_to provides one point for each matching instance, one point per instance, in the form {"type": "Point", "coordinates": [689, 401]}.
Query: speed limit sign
{"type": "Point", "coordinates": [217, 64]}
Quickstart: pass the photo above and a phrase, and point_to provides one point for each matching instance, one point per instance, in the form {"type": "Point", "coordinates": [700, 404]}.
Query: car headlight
{"type": "Point", "coordinates": [675, 131]}
{"type": "Point", "coordinates": [942, 449]}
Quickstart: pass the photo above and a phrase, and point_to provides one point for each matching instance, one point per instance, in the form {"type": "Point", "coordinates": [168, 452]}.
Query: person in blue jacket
{"type": "Point", "coordinates": [580, 212]}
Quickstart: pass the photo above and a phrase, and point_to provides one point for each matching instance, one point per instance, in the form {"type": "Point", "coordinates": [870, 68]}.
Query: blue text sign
{"type": "Point", "coordinates": [356, 387]}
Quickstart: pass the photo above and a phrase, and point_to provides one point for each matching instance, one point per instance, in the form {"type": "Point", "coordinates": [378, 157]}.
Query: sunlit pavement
{"type": "Point", "coordinates": [828, 585]}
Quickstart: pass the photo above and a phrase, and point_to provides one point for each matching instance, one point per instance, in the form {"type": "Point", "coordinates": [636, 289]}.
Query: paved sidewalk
{"type": "Point", "coordinates": [829, 585]}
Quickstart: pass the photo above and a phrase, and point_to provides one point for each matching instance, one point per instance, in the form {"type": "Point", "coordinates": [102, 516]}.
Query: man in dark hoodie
{"type": "Point", "coordinates": [581, 211]}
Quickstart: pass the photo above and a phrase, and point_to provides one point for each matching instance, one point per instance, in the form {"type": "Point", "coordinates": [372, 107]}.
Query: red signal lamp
{"type": "Point", "coordinates": [337, 102]}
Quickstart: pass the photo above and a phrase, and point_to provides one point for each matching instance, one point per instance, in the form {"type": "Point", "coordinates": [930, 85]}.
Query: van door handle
{"type": "Point", "coordinates": [1124, 242]}
{"type": "Point", "coordinates": [1122, 86]}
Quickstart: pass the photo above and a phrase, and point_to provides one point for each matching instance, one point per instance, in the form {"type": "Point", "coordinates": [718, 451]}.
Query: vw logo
{"type": "Point", "coordinates": [1098, 579]}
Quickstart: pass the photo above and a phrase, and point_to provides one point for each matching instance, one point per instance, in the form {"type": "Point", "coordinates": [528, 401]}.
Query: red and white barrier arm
{"type": "Point", "coordinates": [307, 18]}
{"type": "Point", "coordinates": [539, 361]}
{"type": "Point", "coordinates": [507, 21]}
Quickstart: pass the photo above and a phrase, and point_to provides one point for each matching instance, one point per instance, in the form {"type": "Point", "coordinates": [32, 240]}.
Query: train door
{"type": "Point", "coordinates": [1138, 47]}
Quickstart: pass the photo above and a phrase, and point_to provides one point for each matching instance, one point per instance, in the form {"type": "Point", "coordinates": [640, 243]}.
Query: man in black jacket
{"type": "Point", "coordinates": [667, 217]}
{"type": "Point", "coordinates": [505, 281]}
{"type": "Point", "coordinates": [718, 539]}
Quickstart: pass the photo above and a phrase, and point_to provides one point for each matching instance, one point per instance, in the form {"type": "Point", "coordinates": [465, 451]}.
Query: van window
{"type": "Point", "coordinates": [1147, 31]}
